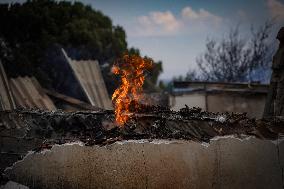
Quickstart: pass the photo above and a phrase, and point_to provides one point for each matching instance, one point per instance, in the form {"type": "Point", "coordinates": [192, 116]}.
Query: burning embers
{"type": "Point", "coordinates": [126, 98]}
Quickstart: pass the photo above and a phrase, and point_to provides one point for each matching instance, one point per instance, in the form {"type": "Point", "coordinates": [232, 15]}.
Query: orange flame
{"type": "Point", "coordinates": [126, 97]}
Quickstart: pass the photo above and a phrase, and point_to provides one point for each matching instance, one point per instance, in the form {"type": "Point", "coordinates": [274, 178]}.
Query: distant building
{"type": "Point", "coordinates": [220, 97]}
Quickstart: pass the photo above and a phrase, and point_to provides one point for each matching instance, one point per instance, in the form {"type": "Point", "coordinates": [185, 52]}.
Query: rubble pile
{"type": "Point", "coordinates": [25, 130]}
{"type": "Point", "coordinates": [99, 127]}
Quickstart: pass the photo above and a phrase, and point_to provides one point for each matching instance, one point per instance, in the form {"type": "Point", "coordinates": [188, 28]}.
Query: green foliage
{"type": "Point", "coordinates": [29, 29]}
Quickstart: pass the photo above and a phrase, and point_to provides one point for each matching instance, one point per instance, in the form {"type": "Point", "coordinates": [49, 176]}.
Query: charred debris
{"type": "Point", "coordinates": [150, 122]}
{"type": "Point", "coordinates": [25, 130]}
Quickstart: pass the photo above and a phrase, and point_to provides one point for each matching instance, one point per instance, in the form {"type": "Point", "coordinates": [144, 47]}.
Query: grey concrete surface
{"type": "Point", "coordinates": [225, 163]}
{"type": "Point", "coordinates": [13, 185]}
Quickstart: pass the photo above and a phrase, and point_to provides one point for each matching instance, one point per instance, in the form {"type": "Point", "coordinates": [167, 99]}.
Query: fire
{"type": "Point", "coordinates": [126, 97]}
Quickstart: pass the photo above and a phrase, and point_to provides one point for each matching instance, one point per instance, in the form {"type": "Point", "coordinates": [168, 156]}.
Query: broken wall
{"type": "Point", "coordinates": [224, 163]}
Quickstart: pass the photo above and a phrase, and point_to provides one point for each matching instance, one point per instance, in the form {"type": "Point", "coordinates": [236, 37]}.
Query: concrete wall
{"type": "Point", "coordinates": [225, 163]}
{"type": "Point", "coordinates": [253, 104]}
{"type": "Point", "coordinates": [192, 100]}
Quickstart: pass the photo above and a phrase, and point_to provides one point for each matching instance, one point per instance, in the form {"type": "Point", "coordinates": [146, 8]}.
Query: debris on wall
{"type": "Point", "coordinates": [25, 130]}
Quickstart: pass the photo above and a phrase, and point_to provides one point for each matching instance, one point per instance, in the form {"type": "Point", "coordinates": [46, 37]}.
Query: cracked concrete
{"type": "Point", "coordinates": [13, 185]}
{"type": "Point", "coordinates": [225, 163]}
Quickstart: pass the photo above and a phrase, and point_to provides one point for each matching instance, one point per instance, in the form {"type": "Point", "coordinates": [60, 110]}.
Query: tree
{"type": "Point", "coordinates": [235, 59]}
{"type": "Point", "coordinates": [30, 29]}
{"type": "Point", "coordinates": [192, 75]}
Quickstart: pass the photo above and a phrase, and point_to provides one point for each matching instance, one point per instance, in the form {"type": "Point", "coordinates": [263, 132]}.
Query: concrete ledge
{"type": "Point", "coordinates": [225, 163]}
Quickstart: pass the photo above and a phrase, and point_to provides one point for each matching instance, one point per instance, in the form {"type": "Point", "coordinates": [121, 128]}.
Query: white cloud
{"type": "Point", "coordinates": [276, 9]}
{"type": "Point", "coordinates": [166, 23]}
{"type": "Point", "coordinates": [201, 15]}
{"type": "Point", "coordinates": [162, 23]}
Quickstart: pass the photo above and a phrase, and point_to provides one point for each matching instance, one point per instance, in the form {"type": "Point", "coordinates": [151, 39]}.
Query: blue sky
{"type": "Point", "coordinates": [175, 31]}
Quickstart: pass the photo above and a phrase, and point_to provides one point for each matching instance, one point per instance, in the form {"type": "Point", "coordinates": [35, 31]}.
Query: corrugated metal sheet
{"type": "Point", "coordinates": [28, 93]}
{"type": "Point", "coordinates": [6, 98]}
{"type": "Point", "coordinates": [89, 75]}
